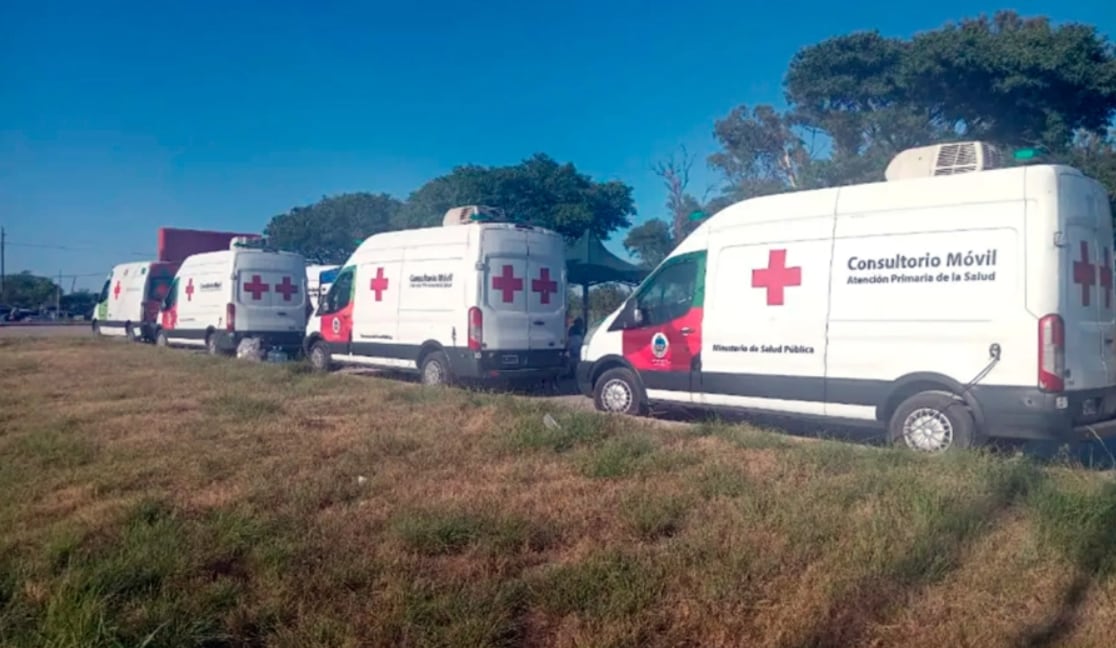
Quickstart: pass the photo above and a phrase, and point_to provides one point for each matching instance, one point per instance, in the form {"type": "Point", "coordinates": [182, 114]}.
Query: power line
{"type": "Point", "coordinates": [68, 248]}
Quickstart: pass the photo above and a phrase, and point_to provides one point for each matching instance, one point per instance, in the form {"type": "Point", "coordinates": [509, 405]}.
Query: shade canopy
{"type": "Point", "coordinates": [588, 263]}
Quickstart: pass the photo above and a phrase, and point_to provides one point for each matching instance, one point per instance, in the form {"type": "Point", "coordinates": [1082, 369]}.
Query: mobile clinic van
{"type": "Point", "coordinates": [129, 301]}
{"type": "Point", "coordinates": [475, 298]}
{"type": "Point", "coordinates": [248, 292]}
{"type": "Point", "coordinates": [955, 302]}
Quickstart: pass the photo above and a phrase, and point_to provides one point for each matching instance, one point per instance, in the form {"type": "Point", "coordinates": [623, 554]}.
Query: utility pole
{"type": "Point", "coordinates": [3, 282]}
{"type": "Point", "coordinates": [58, 297]}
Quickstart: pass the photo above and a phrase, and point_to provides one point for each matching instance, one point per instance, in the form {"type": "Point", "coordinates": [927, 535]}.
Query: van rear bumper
{"type": "Point", "coordinates": [507, 364]}
{"type": "Point", "coordinates": [290, 341]}
{"type": "Point", "coordinates": [1027, 413]}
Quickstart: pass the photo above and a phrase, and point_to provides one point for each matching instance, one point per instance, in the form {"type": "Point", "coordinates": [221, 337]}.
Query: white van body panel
{"type": "Point", "coordinates": [402, 294]}
{"type": "Point", "coordinates": [837, 302]}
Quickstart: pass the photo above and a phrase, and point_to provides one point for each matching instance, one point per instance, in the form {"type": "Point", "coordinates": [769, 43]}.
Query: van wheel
{"type": "Point", "coordinates": [211, 345]}
{"type": "Point", "coordinates": [161, 338]}
{"type": "Point", "coordinates": [130, 333]}
{"type": "Point", "coordinates": [320, 358]}
{"type": "Point", "coordinates": [96, 327]}
{"type": "Point", "coordinates": [435, 369]}
{"type": "Point", "coordinates": [618, 392]}
{"type": "Point", "coordinates": [934, 422]}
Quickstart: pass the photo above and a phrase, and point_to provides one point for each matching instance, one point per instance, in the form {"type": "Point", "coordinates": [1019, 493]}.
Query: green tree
{"type": "Point", "coordinates": [25, 290]}
{"type": "Point", "coordinates": [329, 230]}
{"type": "Point", "coordinates": [538, 190]}
{"type": "Point", "coordinates": [862, 98]}
{"type": "Point", "coordinates": [652, 241]}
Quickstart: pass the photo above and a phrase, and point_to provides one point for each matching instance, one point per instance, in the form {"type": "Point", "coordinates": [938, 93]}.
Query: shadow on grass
{"type": "Point", "coordinates": [1080, 527]}
{"type": "Point", "coordinates": [946, 527]}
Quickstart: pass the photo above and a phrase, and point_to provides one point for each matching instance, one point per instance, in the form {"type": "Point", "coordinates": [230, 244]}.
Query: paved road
{"type": "Point", "coordinates": [44, 330]}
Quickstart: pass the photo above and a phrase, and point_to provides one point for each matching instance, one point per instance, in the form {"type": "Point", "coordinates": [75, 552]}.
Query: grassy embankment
{"type": "Point", "coordinates": [160, 498]}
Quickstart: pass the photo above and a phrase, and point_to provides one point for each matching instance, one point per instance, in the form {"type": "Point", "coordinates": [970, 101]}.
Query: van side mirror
{"type": "Point", "coordinates": [637, 316]}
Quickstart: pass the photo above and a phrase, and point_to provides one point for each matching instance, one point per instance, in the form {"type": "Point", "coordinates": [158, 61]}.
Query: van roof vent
{"type": "Point", "coordinates": [250, 242]}
{"type": "Point", "coordinates": [473, 214]}
{"type": "Point", "coordinates": [944, 160]}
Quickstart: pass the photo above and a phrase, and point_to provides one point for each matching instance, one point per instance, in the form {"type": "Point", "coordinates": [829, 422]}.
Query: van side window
{"type": "Point", "coordinates": [669, 295]}
{"type": "Point", "coordinates": [104, 291]}
{"type": "Point", "coordinates": [339, 295]}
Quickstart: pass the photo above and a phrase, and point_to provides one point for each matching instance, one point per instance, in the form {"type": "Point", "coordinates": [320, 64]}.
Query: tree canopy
{"type": "Point", "coordinates": [538, 190]}
{"type": "Point", "coordinates": [854, 101]}
{"type": "Point", "coordinates": [25, 290]}
{"type": "Point", "coordinates": [329, 230]}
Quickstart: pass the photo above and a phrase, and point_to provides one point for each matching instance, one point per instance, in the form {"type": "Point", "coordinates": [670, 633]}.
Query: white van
{"type": "Point", "coordinates": [219, 299]}
{"type": "Point", "coordinates": [129, 301]}
{"type": "Point", "coordinates": [946, 309]}
{"type": "Point", "coordinates": [475, 298]}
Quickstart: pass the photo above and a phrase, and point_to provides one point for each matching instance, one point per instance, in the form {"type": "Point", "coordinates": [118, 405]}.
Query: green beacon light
{"type": "Point", "coordinates": [697, 215]}
{"type": "Point", "coordinates": [1029, 154]}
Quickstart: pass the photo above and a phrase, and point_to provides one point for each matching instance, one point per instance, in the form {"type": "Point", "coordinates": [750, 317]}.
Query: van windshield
{"type": "Point", "coordinates": [104, 291]}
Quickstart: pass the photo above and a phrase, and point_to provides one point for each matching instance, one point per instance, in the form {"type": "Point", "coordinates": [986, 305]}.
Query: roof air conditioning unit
{"type": "Point", "coordinates": [472, 214]}
{"type": "Point", "coordinates": [943, 160]}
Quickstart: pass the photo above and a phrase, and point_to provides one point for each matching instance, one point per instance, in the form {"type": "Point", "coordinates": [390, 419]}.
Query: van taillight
{"type": "Point", "coordinates": [476, 328]}
{"type": "Point", "coordinates": [1052, 354]}
{"type": "Point", "coordinates": [230, 317]}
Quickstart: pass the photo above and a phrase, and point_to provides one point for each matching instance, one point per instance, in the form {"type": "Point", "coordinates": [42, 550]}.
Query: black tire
{"type": "Point", "coordinates": [933, 422]}
{"type": "Point", "coordinates": [618, 391]}
{"type": "Point", "coordinates": [211, 344]}
{"type": "Point", "coordinates": [161, 338]}
{"type": "Point", "coordinates": [319, 356]}
{"type": "Point", "coordinates": [130, 333]}
{"type": "Point", "coordinates": [96, 328]}
{"type": "Point", "coordinates": [435, 370]}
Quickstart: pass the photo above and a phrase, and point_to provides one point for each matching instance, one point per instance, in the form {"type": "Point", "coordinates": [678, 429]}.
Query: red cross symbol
{"type": "Point", "coordinates": [190, 289]}
{"type": "Point", "coordinates": [776, 276]}
{"type": "Point", "coordinates": [507, 283]}
{"type": "Point", "coordinates": [257, 287]}
{"type": "Point", "coordinates": [286, 289]}
{"type": "Point", "coordinates": [544, 286]}
{"type": "Point", "coordinates": [1084, 274]}
{"type": "Point", "coordinates": [379, 284]}
{"type": "Point", "coordinates": [116, 290]}
{"type": "Point", "coordinates": [1106, 278]}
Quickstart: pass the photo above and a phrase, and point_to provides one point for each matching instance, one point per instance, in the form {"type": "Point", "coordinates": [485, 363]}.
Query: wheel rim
{"type": "Point", "coordinates": [432, 373]}
{"type": "Point", "coordinates": [317, 357]}
{"type": "Point", "coordinates": [616, 396]}
{"type": "Point", "coordinates": [927, 430]}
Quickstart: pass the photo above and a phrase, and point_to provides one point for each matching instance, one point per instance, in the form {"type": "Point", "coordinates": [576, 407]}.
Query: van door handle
{"type": "Point", "coordinates": [1108, 340]}
{"type": "Point", "coordinates": [539, 323]}
{"type": "Point", "coordinates": [685, 330]}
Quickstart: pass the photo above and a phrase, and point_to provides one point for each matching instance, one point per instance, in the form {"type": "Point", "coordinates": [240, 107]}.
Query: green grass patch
{"type": "Point", "coordinates": [243, 407]}
{"type": "Point", "coordinates": [618, 456]}
{"type": "Point", "coordinates": [568, 430]}
{"type": "Point", "coordinates": [609, 585]}
{"type": "Point", "coordinates": [651, 517]}
{"type": "Point", "coordinates": [432, 532]}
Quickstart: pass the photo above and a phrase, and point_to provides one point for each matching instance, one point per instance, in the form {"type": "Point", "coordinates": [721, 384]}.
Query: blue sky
{"type": "Point", "coordinates": [119, 117]}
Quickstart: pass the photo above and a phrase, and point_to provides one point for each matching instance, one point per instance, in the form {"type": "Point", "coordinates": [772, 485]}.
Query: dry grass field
{"type": "Point", "coordinates": [155, 497]}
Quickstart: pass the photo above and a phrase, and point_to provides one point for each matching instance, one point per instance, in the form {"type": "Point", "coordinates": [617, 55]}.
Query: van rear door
{"type": "Point", "coordinates": [546, 291]}
{"type": "Point", "coordinates": [1088, 304]}
{"type": "Point", "coordinates": [270, 292]}
{"type": "Point", "coordinates": [504, 255]}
